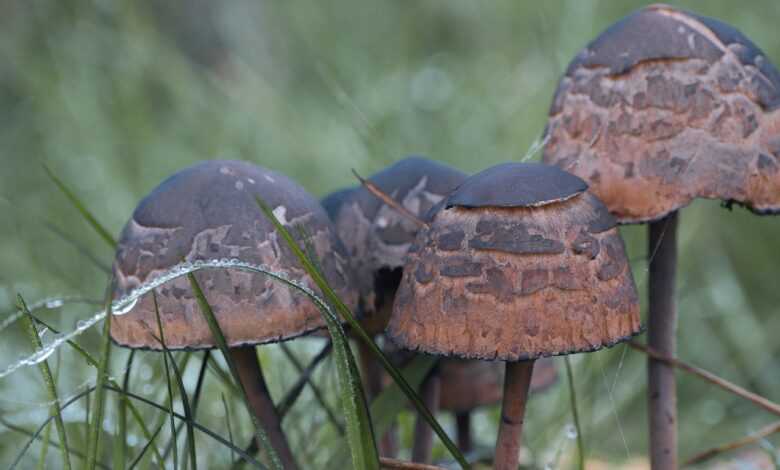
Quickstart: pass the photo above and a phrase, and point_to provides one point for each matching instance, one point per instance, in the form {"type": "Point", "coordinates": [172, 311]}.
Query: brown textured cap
{"type": "Point", "coordinates": [209, 211]}
{"type": "Point", "coordinates": [667, 106]}
{"type": "Point", "coordinates": [376, 236]}
{"type": "Point", "coordinates": [466, 385]}
{"type": "Point", "coordinates": [517, 283]}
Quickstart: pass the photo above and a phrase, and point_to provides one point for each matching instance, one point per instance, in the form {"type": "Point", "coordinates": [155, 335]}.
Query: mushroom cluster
{"type": "Point", "coordinates": [514, 264]}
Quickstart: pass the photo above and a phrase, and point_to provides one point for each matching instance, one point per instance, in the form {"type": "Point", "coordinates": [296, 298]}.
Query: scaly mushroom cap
{"type": "Point", "coordinates": [666, 106]}
{"type": "Point", "coordinates": [209, 211]}
{"type": "Point", "coordinates": [376, 236]}
{"type": "Point", "coordinates": [547, 276]}
{"type": "Point", "coordinates": [466, 385]}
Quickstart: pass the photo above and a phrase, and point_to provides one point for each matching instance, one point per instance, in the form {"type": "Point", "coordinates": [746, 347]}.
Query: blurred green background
{"type": "Point", "coordinates": [115, 96]}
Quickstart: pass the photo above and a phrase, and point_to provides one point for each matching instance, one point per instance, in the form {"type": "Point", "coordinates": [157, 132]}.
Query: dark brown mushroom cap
{"type": "Point", "coordinates": [516, 185]}
{"type": "Point", "coordinates": [332, 202]}
{"type": "Point", "coordinates": [466, 385]}
{"type": "Point", "coordinates": [376, 236]}
{"type": "Point", "coordinates": [516, 283]}
{"type": "Point", "coordinates": [667, 106]}
{"type": "Point", "coordinates": [209, 211]}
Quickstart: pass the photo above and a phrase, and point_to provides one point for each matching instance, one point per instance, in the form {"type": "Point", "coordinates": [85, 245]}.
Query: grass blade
{"type": "Point", "coordinates": [286, 403]}
{"type": "Point", "coordinates": [182, 391]}
{"type": "Point", "coordinates": [122, 457]}
{"type": "Point", "coordinates": [48, 379]}
{"type": "Point", "coordinates": [219, 338]}
{"type": "Point", "coordinates": [575, 414]}
{"type": "Point", "coordinates": [315, 390]}
{"type": "Point", "coordinates": [174, 435]}
{"type": "Point", "coordinates": [91, 220]}
{"type": "Point", "coordinates": [94, 363]}
{"type": "Point", "coordinates": [138, 458]}
{"type": "Point", "coordinates": [229, 427]}
{"type": "Point", "coordinates": [96, 423]}
{"type": "Point", "coordinates": [345, 313]}
{"type": "Point", "coordinates": [195, 424]}
{"type": "Point", "coordinates": [44, 447]}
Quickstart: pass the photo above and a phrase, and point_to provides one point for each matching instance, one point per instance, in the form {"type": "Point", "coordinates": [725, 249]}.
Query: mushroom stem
{"type": "Point", "coordinates": [423, 434]}
{"type": "Point", "coordinates": [463, 425]}
{"type": "Point", "coordinates": [248, 365]}
{"type": "Point", "coordinates": [517, 381]}
{"type": "Point", "coordinates": [661, 337]}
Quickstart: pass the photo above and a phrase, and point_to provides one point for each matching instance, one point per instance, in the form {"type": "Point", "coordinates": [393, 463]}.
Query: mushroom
{"type": "Point", "coordinates": [469, 385]}
{"type": "Point", "coordinates": [518, 263]}
{"type": "Point", "coordinates": [377, 238]}
{"type": "Point", "coordinates": [209, 211]}
{"type": "Point", "coordinates": [663, 107]}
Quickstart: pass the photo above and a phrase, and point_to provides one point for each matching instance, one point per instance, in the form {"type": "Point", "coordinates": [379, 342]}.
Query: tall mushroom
{"type": "Point", "coordinates": [664, 107]}
{"type": "Point", "coordinates": [519, 262]}
{"type": "Point", "coordinates": [209, 211]}
{"type": "Point", "coordinates": [377, 238]}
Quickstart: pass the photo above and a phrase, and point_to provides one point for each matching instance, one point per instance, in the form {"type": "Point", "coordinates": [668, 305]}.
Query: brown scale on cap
{"type": "Point", "coordinates": [376, 236]}
{"type": "Point", "coordinates": [667, 106]}
{"type": "Point", "coordinates": [208, 211]}
{"type": "Point", "coordinates": [548, 276]}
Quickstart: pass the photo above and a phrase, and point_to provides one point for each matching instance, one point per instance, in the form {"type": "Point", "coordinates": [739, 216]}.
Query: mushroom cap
{"type": "Point", "coordinates": [376, 236]}
{"type": "Point", "coordinates": [666, 106]}
{"type": "Point", "coordinates": [466, 385]}
{"type": "Point", "coordinates": [516, 283]}
{"type": "Point", "coordinates": [209, 211]}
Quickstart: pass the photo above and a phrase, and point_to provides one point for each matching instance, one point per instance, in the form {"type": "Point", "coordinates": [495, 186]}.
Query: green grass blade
{"type": "Point", "coordinates": [44, 447]}
{"type": "Point", "coordinates": [575, 414]}
{"type": "Point", "coordinates": [315, 390]}
{"type": "Point", "coordinates": [37, 434]}
{"type": "Point", "coordinates": [138, 458]}
{"type": "Point", "coordinates": [360, 432]}
{"type": "Point", "coordinates": [229, 427]}
{"type": "Point", "coordinates": [48, 379]}
{"type": "Point", "coordinates": [96, 423]}
{"type": "Point", "coordinates": [219, 338]}
{"type": "Point", "coordinates": [74, 199]}
{"type": "Point", "coordinates": [345, 313]}
{"type": "Point", "coordinates": [388, 405]}
{"type": "Point", "coordinates": [94, 363]}
{"type": "Point", "coordinates": [216, 437]}
{"type": "Point", "coordinates": [289, 399]}
{"type": "Point", "coordinates": [122, 457]}
{"type": "Point", "coordinates": [174, 435]}
{"type": "Point", "coordinates": [182, 392]}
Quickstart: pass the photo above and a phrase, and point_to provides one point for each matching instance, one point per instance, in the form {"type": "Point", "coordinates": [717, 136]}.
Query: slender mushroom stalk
{"type": "Point", "coordinates": [253, 381]}
{"type": "Point", "coordinates": [209, 211]}
{"type": "Point", "coordinates": [463, 430]}
{"type": "Point", "coordinates": [661, 336]}
{"type": "Point", "coordinates": [423, 434]}
{"type": "Point", "coordinates": [518, 263]}
{"type": "Point", "coordinates": [517, 383]}
{"type": "Point", "coordinates": [664, 107]}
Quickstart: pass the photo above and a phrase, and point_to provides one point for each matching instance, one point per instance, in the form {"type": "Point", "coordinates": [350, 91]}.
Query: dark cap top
{"type": "Point", "coordinates": [516, 185]}
{"type": "Point", "coordinates": [209, 211]}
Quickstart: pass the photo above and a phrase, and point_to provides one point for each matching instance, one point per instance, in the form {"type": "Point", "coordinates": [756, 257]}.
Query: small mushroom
{"type": "Point", "coordinates": [666, 106]}
{"type": "Point", "coordinates": [377, 238]}
{"type": "Point", "coordinates": [209, 211]}
{"type": "Point", "coordinates": [469, 385]}
{"type": "Point", "coordinates": [518, 263]}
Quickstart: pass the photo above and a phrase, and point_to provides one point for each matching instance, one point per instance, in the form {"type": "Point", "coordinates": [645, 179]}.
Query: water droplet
{"type": "Point", "coordinates": [82, 324]}
{"type": "Point", "coordinates": [123, 306]}
{"type": "Point", "coordinates": [54, 303]}
{"type": "Point", "coordinates": [571, 431]}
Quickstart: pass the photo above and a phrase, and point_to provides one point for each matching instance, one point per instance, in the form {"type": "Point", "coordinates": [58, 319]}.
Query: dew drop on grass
{"type": "Point", "coordinates": [51, 304]}
{"type": "Point", "coordinates": [570, 431]}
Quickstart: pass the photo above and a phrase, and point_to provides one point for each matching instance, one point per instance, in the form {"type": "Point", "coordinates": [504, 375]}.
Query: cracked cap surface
{"type": "Point", "coordinates": [666, 106]}
{"type": "Point", "coordinates": [516, 283]}
{"type": "Point", "coordinates": [208, 211]}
